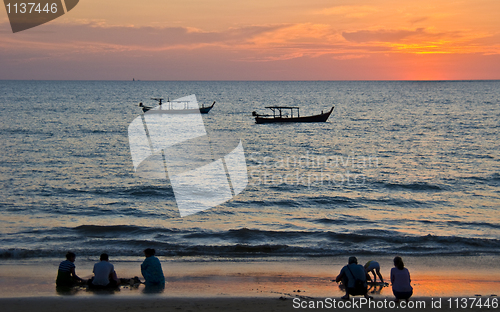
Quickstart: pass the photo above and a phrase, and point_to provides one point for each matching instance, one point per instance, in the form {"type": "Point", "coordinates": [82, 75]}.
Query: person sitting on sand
{"type": "Point", "coordinates": [400, 279]}
{"type": "Point", "coordinates": [151, 269]}
{"type": "Point", "coordinates": [66, 274]}
{"type": "Point", "coordinates": [104, 274]}
{"type": "Point", "coordinates": [374, 266]}
{"type": "Point", "coordinates": [354, 277]}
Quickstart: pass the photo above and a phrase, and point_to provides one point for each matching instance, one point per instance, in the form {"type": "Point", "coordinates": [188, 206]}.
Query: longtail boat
{"type": "Point", "coordinates": [177, 107]}
{"type": "Point", "coordinates": [280, 115]}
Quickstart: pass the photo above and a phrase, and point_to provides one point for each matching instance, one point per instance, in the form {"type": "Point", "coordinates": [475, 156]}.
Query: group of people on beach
{"type": "Point", "coordinates": [105, 276]}
{"type": "Point", "coordinates": [355, 277]}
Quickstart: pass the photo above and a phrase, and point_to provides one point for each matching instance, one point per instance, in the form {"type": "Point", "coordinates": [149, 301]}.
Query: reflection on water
{"type": "Point", "coordinates": [68, 291]}
{"type": "Point", "coordinates": [150, 288]}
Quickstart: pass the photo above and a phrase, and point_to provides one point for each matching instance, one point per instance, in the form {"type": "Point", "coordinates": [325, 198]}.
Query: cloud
{"type": "Point", "coordinates": [383, 35]}
{"type": "Point", "coordinates": [424, 41]}
{"type": "Point", "coordinates": [417, 35]}
{"type": "Point", "coordinates": [350, 56]}
{"type": "Point", "coordinates": [418, 20]}
{"type": "Point", "coordinates": [94, 49]}
{"type": "Point", "coordinates": [294, 33]}
{"type": "Point", "coordinates": [86, 36]}
{"type": "Point", "coordinates": [266, 42]}
{"type": "Point", "coordinates": [350, 11]}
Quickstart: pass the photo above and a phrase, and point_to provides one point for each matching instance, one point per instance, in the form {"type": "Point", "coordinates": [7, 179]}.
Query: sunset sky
{"type": "Point", "coordinates": [259, 40]}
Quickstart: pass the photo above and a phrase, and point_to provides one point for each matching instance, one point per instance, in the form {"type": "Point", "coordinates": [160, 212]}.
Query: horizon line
{"type": "Point", "coordinates": [222, 80]}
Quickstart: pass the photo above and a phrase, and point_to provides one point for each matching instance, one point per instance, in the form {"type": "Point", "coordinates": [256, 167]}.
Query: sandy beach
{"type": "Point", "coordinates": [251, 285]}
{"type": "Point", "coordinates": [208, 304]}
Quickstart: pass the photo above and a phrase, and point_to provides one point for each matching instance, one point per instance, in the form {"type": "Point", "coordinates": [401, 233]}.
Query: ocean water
{"type": "Point", "coordinates": [408, 168]}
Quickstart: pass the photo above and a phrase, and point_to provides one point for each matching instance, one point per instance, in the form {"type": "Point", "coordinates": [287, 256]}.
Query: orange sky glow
{"type": "Point", "coordinates": [259, 40]}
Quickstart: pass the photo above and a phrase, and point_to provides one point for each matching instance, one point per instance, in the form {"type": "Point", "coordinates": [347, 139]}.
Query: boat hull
{"type": "Point", "coordinates": [202, 110]}
{"type": "Point", "coordinates": [314, 118]}
{"type": "Point", "coordinates": [205, 110]}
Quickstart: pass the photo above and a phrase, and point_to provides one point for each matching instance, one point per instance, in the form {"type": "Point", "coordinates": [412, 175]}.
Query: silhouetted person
{"type": "Point", "coordinates": [66, 274]}
{"type": "Point", "coordinates": [104, 274]}
{"type": "Point", "coordinates": [374, 266]}
{"type": "Point", "coordinates": [151, 269]}
{"type": "Point", "coordinates": [401, 281]}
{"type": "Point", "coordinates": [353, 277]}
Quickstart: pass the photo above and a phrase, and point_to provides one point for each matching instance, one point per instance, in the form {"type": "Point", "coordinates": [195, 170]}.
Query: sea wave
{"type": "Point", "coordinates": [129, 241]}
{"type": "Point", "coordinates": [133, 191]}
{"type": "Point", "coordinates": [418, 186]}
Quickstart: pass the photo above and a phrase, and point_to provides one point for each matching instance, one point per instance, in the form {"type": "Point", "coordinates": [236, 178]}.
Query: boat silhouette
{"type": "Point", "coordinates": [172, 107]}
{"type": "Point", "coordinates": [279, 116]}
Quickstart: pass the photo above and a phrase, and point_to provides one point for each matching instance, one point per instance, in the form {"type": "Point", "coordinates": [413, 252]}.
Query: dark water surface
{"type": "Point", "coordinates": [400, 167]}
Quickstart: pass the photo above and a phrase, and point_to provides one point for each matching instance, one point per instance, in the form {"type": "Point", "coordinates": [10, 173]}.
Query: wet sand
{"type": "Point", "coordinates": [243, 285]}
{"type": "Point", "coordinates": [160, 304]}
